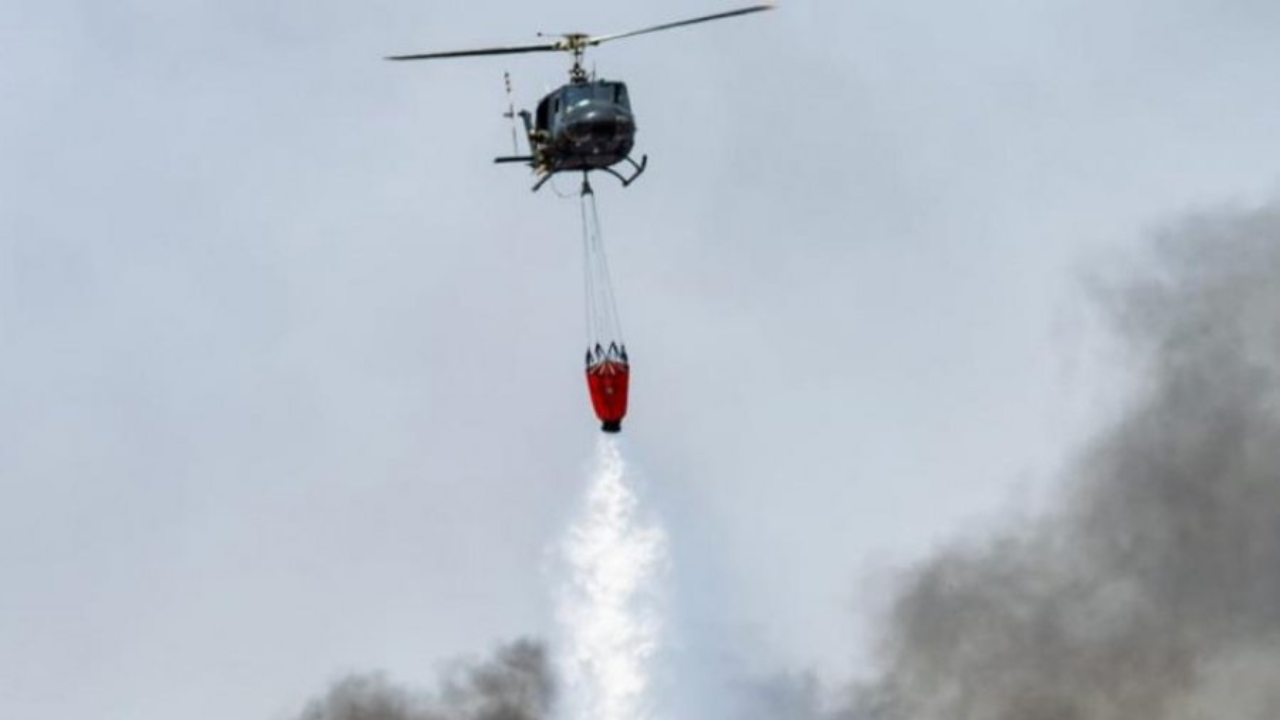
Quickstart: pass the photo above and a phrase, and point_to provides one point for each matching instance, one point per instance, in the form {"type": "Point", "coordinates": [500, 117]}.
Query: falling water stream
{"type": "Point", "coordinates": [609, 603]}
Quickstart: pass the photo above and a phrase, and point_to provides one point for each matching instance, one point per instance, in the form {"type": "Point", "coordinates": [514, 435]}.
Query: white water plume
{"type": "Point", "coordinates": [609, 606]}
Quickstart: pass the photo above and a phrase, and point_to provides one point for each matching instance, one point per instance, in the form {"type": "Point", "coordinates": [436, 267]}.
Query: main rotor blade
{"type": "Point", "coordinates": [544, 47]}
{"type": "Point", "coordinates": [667, 26]}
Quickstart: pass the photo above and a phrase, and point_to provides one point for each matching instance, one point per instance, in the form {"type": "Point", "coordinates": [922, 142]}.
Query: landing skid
{"type": "Point", "coordinates": [637, 169]}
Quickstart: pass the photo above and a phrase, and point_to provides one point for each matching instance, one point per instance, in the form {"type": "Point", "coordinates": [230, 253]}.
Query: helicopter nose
{"type": "Point", "coordinates": [597, 123]}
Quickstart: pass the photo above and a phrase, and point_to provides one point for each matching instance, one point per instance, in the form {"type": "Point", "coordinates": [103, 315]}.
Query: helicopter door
{"type": "Point", "coordinates": [620, 96]}
{"type": "Point", "coordinates": [540, 114]}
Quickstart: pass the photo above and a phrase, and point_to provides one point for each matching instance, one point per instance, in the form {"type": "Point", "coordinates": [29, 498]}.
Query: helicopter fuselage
{"type": "Point", "coordinates": [584, 126]}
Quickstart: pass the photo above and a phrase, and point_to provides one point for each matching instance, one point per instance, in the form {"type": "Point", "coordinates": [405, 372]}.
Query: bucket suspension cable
{"type": "Point", "coordinates": [608, 368]}
{"type": "Point", "coordinates": [603, 324]}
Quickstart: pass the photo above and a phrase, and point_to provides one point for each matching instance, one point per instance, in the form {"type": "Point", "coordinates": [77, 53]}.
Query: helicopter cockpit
{"type": "Point", "coordinates": [577, 97]}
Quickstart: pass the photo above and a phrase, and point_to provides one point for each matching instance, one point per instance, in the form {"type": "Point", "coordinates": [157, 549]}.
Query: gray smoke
{"type": "Point", "coordinates": [515, 685]}
{"type": "Point", "coordinates": [1152, 589]}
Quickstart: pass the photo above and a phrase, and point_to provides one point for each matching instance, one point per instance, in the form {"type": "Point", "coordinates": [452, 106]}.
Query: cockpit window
{"type": "Point", "coordinates": [575, 94]}
{"type": "Point", "coordinates": [620, 95]}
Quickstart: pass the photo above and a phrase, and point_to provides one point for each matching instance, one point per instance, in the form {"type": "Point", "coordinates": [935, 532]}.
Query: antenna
{"type": "Point", "coordinates": [510, 114]}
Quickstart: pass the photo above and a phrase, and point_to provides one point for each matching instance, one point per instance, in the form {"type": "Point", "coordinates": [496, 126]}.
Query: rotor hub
{"type": "Point", "coordinates": [576, 43]}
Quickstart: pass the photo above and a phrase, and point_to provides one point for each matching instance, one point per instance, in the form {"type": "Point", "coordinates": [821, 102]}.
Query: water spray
{"type": "Point", "coordinates": [609, 607]}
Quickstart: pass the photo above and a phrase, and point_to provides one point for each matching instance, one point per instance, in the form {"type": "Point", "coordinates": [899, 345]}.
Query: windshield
{"type": "Point", "coordinates": [576, 94]}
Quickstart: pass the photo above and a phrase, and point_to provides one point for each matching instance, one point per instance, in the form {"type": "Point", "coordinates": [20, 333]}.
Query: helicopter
{"type": "Point", "coordinates": [587, 124]}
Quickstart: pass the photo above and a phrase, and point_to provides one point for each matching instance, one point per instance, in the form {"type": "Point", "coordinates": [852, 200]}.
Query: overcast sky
{"type": "Point", "coordinates": [289, 371]}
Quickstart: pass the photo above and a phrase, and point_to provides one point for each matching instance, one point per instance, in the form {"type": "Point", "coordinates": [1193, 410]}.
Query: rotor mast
{"type": "Point", "coordinates": [577, 44]}
{"type": "Point", "coordinates": [577, 73]}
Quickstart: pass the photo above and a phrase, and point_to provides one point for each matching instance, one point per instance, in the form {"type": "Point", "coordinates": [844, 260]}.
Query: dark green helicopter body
{"type": "Point", "coordinates": [587, 124]}
{"type": "Point", "coordinates": [583, 126]}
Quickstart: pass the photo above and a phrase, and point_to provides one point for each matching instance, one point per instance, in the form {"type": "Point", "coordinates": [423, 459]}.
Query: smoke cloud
{"type": "Point", "coordinates": [515, 685]}
{"type": "Point", "coordinates": [1152, 588]}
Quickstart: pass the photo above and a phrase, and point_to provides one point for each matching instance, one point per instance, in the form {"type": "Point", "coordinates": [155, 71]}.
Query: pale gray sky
{"type": "Point", "coordinates": [290, 371]}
